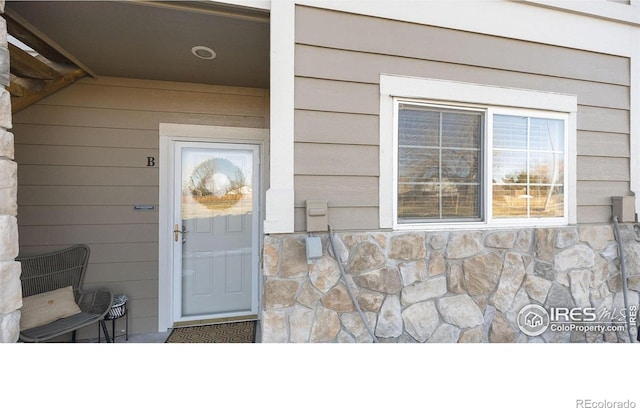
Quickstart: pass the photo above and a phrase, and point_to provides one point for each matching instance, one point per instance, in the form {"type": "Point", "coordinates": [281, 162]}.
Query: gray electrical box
{"type": "Point", "coordinates": [317, 216]}
{"type": "Point", "coordinates": [314, 249]}
{"type": "Point", "coordinates": [624, 208]}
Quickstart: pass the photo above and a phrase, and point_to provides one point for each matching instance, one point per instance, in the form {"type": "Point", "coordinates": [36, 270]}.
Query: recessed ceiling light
{"type": "Point", "coordinates": [203, 52]}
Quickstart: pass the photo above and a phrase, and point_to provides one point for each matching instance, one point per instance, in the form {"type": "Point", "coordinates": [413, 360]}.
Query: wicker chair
{"type": "Point", "coordinates": [56, 270]}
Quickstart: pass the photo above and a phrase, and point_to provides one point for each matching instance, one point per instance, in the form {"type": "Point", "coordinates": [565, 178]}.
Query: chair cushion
{"type": "Point", "coordinates": [47, 307]}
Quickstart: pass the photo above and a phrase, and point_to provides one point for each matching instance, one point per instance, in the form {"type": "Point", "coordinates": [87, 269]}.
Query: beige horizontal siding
{"type": "Point", "coordinates": [337, 101]}
{"type": "Point", "coordinates": [594, 214]}
{"type": "Point", "coordinates": [43, 134]}
{"type": "Point", "coordinates": [106, 253]}
{"type": "Point", "coordinates": [338, 65]}
{"type": "Point", "coordinates": [89, 234]}
{"type": "Point", "coordinates": [84, 215]}
{"type": "Point", "coordinates": [338, 128]}
{"type": "Point", "coordinates": [598, 119]}
{"type": "Point", "coordinates": [345, 218]}
{"type": "Point", "coordinates": [599, 193]}
{"type": "Point", "coordinates": [334, 96]}
{"type": "Point", "coordinates": [86, 195]}
{"type": "Point", "coordinates": [85, 156]}
{"type": "Point", "coordinates": [338, 160]}
{"type": "Point", "coordinates": [387, 37]}
{"type": "Point", "coordinates": [136, 289]}
{"type": "Point", "coordinates": [598, 168]}
{"type": "Point", "coordinates": [49, 175]}
{"type": "Point", "coordinates": [127, 119]}
{"type": "Point", "coordinates": [157, 100]}
{"type": "Point", "coordinates": [347, 191]}
{"type": "Point", "coordinates": [82, 157]}
{"type": "Point", "coordinates": [597, 144]}
{"type": "Point", "coordinates": [122, 272]}
{"type": "Point", "coordinates": [118, 253]}
{"type": "Point", "coordinates": [133, 83]}
{"type": "Point", "coordinates": [145, 308]}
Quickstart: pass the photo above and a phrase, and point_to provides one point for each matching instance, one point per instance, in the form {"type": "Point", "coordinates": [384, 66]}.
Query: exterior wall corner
{"type": "Point", "coordinates": [10, 287]}
{"type": "Point", "coordinates": [279, 217]}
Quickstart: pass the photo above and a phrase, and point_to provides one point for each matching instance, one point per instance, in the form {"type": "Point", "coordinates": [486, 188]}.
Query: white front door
{"type": "Point", "coordinates": [215, 230]}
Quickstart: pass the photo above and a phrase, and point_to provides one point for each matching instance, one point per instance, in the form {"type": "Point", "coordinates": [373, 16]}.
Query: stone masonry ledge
{"type": "Point", "coordinates": [446, 287]}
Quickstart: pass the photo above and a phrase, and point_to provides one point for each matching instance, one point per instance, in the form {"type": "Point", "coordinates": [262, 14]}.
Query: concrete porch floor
{"type": "Point", "coordinates": [133, 338]}
{"type": "Point", "coordinates": [146, 338]}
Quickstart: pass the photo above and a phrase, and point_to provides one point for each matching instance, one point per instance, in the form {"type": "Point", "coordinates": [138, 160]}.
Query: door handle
{"type": "Point", "coordinates": [177, 231]}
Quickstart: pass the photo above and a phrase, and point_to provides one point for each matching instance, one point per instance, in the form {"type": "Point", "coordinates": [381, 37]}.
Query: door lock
{"type": "Point", "coordinates": [177, 231]}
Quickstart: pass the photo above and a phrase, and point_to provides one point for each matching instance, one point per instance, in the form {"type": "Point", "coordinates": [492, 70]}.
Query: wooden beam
{"type": "Point", "coordinates": [44, 38]}
{"type": "Point", "coordinates": [28, 38]}
{"type": "Point", "coordinates": [26, 65]}
{"type": "Point", "coordinates": [19, 103]}
{"type": "Point", "coordinates": [23, 86]}
{"type": "Point", "coordinates": [15, 89]}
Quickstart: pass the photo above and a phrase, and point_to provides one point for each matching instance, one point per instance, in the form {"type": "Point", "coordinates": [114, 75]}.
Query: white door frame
{"type": "Point", "coordinates": [169, 134]}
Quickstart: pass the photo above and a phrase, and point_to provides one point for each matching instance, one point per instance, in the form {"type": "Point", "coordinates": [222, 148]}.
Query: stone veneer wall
{"type": "Point", "coordinates": [10, 289]}
{"type": "Point", "coordinates": [445, 286]}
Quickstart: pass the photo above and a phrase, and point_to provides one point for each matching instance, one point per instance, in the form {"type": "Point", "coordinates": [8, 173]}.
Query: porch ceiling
{"type": "Point", "coordinates": [135, 39]}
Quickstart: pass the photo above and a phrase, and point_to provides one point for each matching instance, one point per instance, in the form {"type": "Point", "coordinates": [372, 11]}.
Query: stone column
{"type": "Point", "coordinates": [10, 288]}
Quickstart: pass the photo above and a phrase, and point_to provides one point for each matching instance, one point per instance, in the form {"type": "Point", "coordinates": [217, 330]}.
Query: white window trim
{"type": "Point", "coordinates": [455, 94]}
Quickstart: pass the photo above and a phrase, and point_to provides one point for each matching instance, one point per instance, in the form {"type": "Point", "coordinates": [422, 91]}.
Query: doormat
{"type": "Point", "coordinates": [239, 332]}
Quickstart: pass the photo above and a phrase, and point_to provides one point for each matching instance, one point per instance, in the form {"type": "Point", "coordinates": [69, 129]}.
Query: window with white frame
{"type": "Point", "coordinates": [439, 163]}
{"type": "Point", "coordinates": [527, 174]}
{"type": "Point", "coordinates": [469, 159]}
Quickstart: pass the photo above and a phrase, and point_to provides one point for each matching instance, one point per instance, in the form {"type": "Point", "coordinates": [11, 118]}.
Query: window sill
{"type": "Point", "coordinates": [502, 224]}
